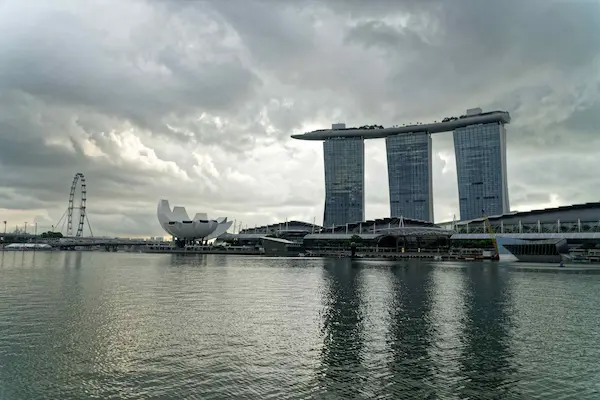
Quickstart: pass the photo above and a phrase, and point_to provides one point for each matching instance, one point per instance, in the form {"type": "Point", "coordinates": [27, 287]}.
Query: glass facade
{"type": "Point", "coordinates": [344, 181]}
{"type": "Point", "coordinates": [409, 175]}
{"type": "Point", "coordinates": [481, 169]}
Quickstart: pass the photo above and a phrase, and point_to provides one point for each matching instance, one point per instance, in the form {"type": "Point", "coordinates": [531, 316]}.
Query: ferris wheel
{"type": "Point", "coordinates": [81, 195]}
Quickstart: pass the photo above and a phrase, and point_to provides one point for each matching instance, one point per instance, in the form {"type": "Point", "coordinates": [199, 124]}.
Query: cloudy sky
{"type": "Point", "coordinates": [195, 101]}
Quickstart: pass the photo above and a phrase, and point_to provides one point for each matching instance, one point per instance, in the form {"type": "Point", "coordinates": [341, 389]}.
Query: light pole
{"type": "Point", "coordinates": [4, 227]}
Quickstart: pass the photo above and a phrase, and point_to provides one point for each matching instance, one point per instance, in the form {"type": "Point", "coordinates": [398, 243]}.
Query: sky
{"type": "Point", "coordinates": [195, 101]}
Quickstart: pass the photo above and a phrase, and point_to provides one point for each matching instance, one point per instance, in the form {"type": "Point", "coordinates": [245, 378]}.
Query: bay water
{"type": "Point", "coordinates": [86, 325]}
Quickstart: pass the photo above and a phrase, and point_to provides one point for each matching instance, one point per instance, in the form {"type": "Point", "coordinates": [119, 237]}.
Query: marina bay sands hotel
{"type": "Point", "coordinates": [480, 148]}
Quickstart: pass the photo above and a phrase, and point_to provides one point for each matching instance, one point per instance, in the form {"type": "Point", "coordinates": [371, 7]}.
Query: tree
{"type": "Point", "coordinates": [51, 235]}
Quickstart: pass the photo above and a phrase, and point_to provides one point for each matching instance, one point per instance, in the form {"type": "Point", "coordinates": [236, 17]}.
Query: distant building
{"type": "Point", "coordinates": [480, 145]}
{"type": "Point", "coordinates": [547, 223]}
{"type": "Point", "coordinates": [176, 222]}
{"type": "Point", "coordinates": [578, 224]}
{"type": "Point", "coordinates": [295, 237]}
{"type": "Point", "coordinates": [344, 160]}
{"type": "Point", "coordinates": [481, 170]}
{"type": "Point", "coordinates": [292, 231]}
{"type": "Point", "coordinates": [394, 234]}
{"type": "Point", "coordinates": [410, 176]}
{"type": "Point", "coordinates": [281, 247]}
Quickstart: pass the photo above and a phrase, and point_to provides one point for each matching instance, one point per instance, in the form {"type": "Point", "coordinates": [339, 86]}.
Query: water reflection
{"type": "Point", "coordinates": [72, 260]}
{"type": "Point", "coordinates": [487, 358]}
{"type": "Point", "coordinates": [105, 325]}
{"type": "Point", "coordinates": [340, 374]}
{"type": "Point", "coordinates": [410, 333]}
{"type": "Point", "coordinates": [180, 260]}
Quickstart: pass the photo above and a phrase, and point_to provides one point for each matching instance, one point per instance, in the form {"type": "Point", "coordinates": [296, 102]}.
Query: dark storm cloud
{"type": "Point", "coordinates": [195, 100]}
{"type": "Point", "coordinates": [476, 47]}
{"type": "Point", "coordinates": [81, 69]}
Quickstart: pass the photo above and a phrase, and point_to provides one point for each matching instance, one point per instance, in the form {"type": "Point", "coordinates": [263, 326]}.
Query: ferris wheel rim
{"type": "Point", "coordinates": [78, 178]}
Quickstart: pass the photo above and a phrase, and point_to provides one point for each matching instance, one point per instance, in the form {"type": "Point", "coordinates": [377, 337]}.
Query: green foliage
{"type": "Point", "coordinates": [356, 239]}
{"type": "Point", "coordinates": [51, 235]}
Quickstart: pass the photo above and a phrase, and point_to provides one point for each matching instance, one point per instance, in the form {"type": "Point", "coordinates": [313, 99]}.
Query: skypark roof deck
{"type": "Point", "coordinates": [378, 132]}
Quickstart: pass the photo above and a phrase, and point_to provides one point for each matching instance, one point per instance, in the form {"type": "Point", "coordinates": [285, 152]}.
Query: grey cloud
{"type": "Point", "coordinates": [532, 30]}
{"type": "Point", "coordinates": [484, 46]}
{"type": "Point", "coordinates": [523, 197]}
{"type": "Point", "coordinates": [585, 119]}
{"type": "Point", "coordinates": [195, 101]}
{"type": "Point", "coordinates": [273, 31]}
{"type": "Point", "coordinates": [379, 33]}
{"type": "Point", "coordinates": [79, 69]}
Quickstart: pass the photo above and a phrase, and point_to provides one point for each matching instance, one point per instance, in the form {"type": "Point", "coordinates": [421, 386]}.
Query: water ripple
{"type": "Point", "coordinates": [135, 326]}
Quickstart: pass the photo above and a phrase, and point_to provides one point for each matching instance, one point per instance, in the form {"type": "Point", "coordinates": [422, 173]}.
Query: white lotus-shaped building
{"type": "Point", "coordinates": [177, 223]}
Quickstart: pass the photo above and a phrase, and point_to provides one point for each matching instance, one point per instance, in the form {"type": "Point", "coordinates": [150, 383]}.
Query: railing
{"type": "Point", "coordinates": [537, 227]}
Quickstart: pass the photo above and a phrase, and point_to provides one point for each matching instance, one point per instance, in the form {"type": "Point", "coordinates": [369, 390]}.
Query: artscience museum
{"type": "Point", "coordinates": [178, 224]}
